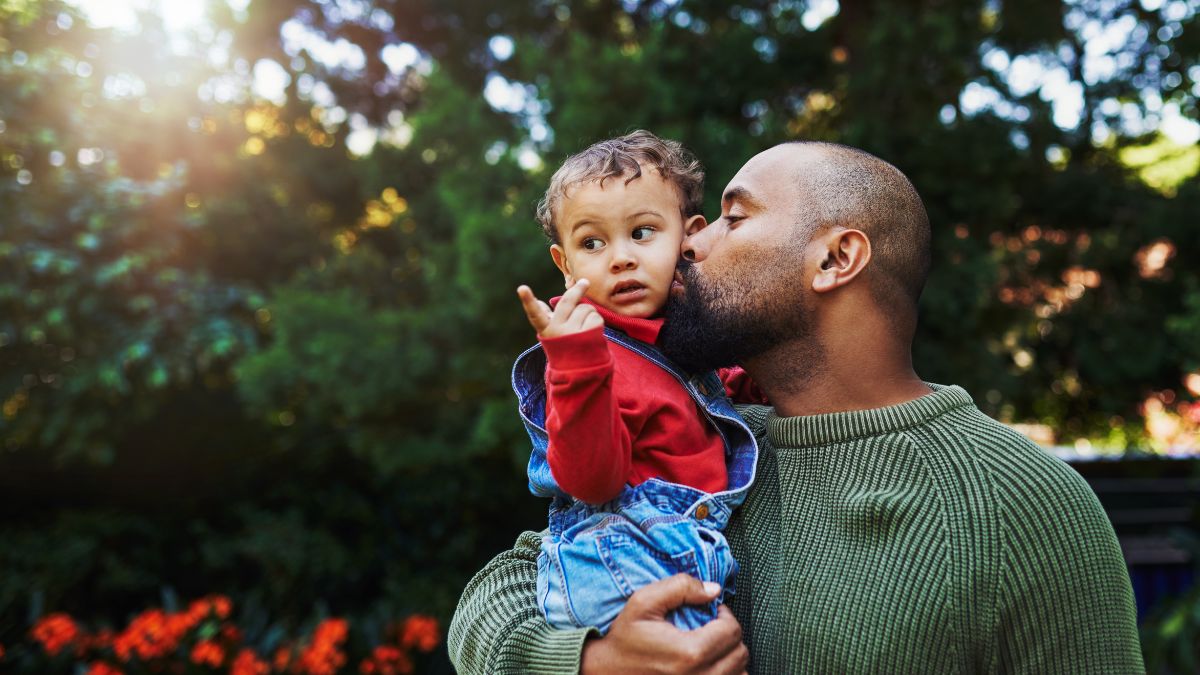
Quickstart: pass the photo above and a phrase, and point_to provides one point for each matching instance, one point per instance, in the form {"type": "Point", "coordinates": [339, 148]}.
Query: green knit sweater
{"type": "Point", "coordinates": [919, 538]}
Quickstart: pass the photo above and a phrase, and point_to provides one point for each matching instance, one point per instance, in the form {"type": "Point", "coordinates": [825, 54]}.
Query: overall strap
{"type": "Point", "coordinates": [646, 350]}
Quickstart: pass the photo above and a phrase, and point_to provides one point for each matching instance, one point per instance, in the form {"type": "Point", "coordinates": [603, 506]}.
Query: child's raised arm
{"type": "Point", "coordinates": [590, 447]}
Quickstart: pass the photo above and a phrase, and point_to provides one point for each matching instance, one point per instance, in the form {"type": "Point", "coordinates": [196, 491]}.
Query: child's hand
{"type": "Point", "coordinates": [567, 317]}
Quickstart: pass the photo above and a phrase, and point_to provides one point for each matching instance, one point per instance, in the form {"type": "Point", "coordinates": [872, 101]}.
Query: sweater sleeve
{"type": "Point", "coordinates": [1065, 601]}
{"type": "Point", "coordinates": [497, 627]}
{"type": "Point", "coordinates": [590, 450]}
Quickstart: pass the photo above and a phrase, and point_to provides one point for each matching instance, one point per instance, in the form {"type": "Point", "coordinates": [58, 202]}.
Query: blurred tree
{"type": "Point", "coordinates": [1038, 304]}
{"type": "Point", "coordinates": [258, 337]}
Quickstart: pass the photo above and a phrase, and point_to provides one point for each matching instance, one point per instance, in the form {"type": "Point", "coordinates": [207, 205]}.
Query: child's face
{"type": "Point", "coordinates": [624, 239]}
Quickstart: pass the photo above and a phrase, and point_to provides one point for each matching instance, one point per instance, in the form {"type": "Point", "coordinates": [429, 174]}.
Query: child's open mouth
{"type": "Point", "coordinates": [629, 291]}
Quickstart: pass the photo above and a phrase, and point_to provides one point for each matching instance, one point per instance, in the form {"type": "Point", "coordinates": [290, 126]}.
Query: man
{"type": "Point", "coordinates": [892, 526]}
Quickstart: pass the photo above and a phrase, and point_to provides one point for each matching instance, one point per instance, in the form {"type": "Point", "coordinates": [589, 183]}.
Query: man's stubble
{"type": "Point", "coordinates": [729, 321]}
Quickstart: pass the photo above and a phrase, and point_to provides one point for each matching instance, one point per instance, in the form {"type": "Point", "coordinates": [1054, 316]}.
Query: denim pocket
{"type": "Point", "coordinates": [633, 561]}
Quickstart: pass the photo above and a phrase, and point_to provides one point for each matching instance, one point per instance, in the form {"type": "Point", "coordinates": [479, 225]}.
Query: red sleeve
{"type": "Point", "coordinates": [739, 387]}
{"type": "Point", "coordinates": [590, 449]}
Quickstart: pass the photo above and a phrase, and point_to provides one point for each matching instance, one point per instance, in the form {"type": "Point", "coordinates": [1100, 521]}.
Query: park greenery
{"type": "Point", "coordinates": [257, 272]}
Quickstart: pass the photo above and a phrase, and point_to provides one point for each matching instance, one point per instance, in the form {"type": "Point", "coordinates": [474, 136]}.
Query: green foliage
{"type": "Point", "coordinates": [235, 356]}
{"type": "Point", "coordinates": [1163, 164]}
{"type": "Point", "coordinates": [1171, 638]}
{"type": "Point", "coordinates": [1184, 329]}
{"type": "Point", "coordinates": [343, 345]}
{"type": "Point", "coordinates": [1171, 641]}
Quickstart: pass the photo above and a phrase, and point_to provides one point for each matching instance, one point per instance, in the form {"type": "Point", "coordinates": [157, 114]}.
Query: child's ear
{"type": "Point", "coordinates": [694, 224]}
{"type": "Point", "coordinates": [560, 261]}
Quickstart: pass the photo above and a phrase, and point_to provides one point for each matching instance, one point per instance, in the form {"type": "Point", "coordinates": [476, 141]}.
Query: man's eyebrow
{"type": "Point", "coordinates": [740, 194]}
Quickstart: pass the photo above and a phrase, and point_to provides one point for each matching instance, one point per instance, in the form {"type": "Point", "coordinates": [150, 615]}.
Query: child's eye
{"type": "Point", "coordinates": [592, 244]}
{"type": "Point", "coordinates": [643, 232]}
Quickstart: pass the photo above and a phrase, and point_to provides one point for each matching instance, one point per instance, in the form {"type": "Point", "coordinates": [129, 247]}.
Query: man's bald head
{"type": "Point", "coordinates": [849, 188]}
{"type": "Point", "coordinates": [799, 220]}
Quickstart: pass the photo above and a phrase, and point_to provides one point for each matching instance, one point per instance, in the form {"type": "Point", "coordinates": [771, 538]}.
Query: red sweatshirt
{"type": "Point", "coordinates": [614, 417]}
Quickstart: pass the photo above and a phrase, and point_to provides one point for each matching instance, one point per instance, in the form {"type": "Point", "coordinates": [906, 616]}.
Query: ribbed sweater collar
{"type": "Point", "coordinates": [810, 430]}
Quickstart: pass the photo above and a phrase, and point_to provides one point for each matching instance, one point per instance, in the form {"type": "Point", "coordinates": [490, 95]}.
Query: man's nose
{"type": "Point", "coordinates": [695, 245]}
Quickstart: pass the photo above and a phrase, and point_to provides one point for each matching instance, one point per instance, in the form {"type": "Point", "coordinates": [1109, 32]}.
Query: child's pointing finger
{"type": "Point", "coordinates": [536, 311]}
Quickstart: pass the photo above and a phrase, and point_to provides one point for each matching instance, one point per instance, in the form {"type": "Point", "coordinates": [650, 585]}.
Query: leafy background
{"type": "Point", "coordinates": [256, 270]}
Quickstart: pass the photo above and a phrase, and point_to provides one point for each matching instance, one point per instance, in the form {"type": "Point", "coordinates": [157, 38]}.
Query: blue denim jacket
{"type": "Point", "coordinates": [597, 555]}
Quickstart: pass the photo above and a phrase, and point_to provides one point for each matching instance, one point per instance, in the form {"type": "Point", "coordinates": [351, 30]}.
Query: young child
{"type": "Point", "coordinates": [644, 463]}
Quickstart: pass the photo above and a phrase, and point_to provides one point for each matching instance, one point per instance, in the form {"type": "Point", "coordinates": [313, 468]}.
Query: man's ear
{"type": "Point", "coordinates": [694, 224]}
{"type": "Point", "coordinates": [560, 261]}
{"type": "Point", "coordinates": [844, 255]}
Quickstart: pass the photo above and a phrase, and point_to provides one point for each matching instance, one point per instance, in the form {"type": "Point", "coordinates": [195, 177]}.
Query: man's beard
{"type": "Point", "coordinates": [707, 327]}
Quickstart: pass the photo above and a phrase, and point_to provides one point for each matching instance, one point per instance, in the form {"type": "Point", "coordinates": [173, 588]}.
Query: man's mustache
{"type": "Point", "coordinates": [685, 276]}
{"type": "Point", "coordinates": [686, 268]}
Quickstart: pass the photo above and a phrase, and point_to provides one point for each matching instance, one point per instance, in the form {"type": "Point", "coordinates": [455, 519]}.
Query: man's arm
{"type": "Point", "coordinates": [1066, 604]}
{"type": "Point", "coordinates": [497, 628]}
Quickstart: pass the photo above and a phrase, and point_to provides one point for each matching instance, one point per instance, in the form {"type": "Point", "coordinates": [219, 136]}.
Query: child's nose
{"type": "Point", "coordinates": [623, 259]}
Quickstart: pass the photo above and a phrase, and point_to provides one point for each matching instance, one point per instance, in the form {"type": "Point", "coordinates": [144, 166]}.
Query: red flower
{"type": "Point", "coordinates": [231, 633]}
{"type": "Point", "coordinates": [421, 632]}
{"type": "Point", "coordinates": [55, 631]}
{"type": "Point", "coordinates": [221, 605]}
{"type": "Point", "coordinates": [247, 663]}
{"type": "Point", "coordinates": [151, 634]}
{"type": "Point", "coordinates": [322, 656]}
{"type": "Point", "coordinates": [206, 607]}
{"type": "Point", "coordinates": [331, 631]}
{"type": "Point", "coordinates": [196, 612]}
{"type": "Point", "coordinates": [208, 653]}
{"type": "Point", "coordinates": [93, 643]}
{"type": "Point", "coordinates": [386, 660]}
{"type": "Point", "coordinates": [283, 657]}
{"type": "Point", "coordinates": [102, 668]}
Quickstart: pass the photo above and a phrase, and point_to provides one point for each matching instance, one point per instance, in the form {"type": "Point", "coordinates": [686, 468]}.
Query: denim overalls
{"type": "Point", "coordinates": [597, 556]}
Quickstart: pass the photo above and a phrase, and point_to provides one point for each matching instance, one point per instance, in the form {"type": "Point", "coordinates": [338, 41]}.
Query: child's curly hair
{"type": "Point", "coordinates": [625, 156]}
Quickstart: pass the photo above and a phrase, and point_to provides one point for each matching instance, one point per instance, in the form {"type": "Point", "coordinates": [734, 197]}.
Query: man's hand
{"type": "Point", "coordinates": [641, 640]}
{"type": "Point", "coordinates": [569, 315]}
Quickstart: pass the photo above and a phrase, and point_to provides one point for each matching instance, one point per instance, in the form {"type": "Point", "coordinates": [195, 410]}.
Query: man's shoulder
{"type": "Point", "coordinates": [1043, 518]}
{"type": "Point", "coordinates": [1002, 451]}
{"type": "Point", "coordinates": [1033, 489]}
